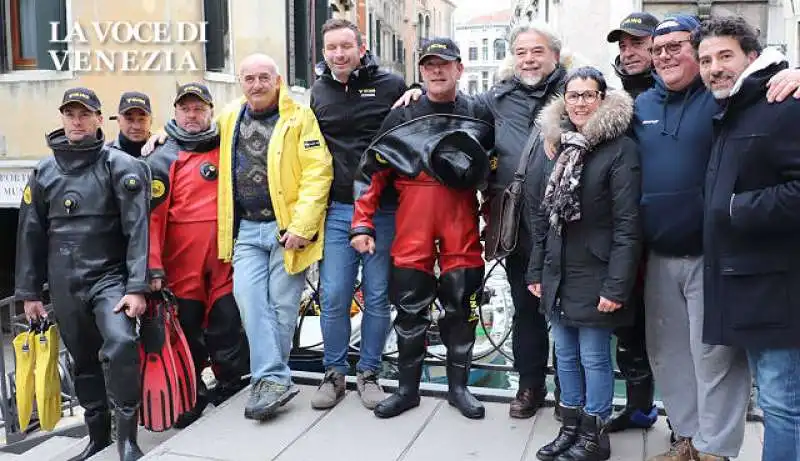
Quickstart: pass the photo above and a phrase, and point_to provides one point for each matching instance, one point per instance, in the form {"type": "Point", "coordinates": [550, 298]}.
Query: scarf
{"type": "Point", "coordinates": [193, 142]}
{"type": "Point", "coordinates": [562, 199]}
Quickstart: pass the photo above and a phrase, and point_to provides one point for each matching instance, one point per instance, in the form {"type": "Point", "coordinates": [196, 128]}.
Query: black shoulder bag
{"type": "Point", "coordinates": [504, 208]}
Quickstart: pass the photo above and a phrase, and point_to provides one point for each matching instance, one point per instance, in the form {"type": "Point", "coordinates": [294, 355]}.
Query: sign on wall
{"type": "Point", "coordinates": [12, 183]}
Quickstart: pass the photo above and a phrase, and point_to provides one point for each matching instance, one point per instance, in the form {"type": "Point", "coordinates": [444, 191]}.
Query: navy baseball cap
{"type": "Point", "coordinates": [196, 89]}
{"type": "Point", "coordinates": [636, 24]}
{"type": "Point", "coordinates": [677, 23]}
{"type": "Point", "coordinates": [83, 96]}
{"type": "Point", "coordinates": [441, 47]}
{"type": "Point", "coordinates": [133, 100]}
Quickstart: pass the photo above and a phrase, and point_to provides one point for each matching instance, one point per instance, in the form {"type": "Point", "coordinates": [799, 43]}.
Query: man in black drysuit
{"type": "Point", "coordinates": [83, 227]}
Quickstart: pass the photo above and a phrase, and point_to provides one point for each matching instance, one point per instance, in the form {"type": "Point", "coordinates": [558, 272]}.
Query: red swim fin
{"type": "Point", "coordinates": [161, 404]}
{"type": "Point", "coordinates": [185, 371]}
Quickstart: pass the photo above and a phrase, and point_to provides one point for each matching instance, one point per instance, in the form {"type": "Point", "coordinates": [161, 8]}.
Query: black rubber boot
{"type": "Point", "coordinates": [191, 315]}
{"type": "Point", "coordinates": [127, 429]}
{"type": "Point", "coordinates": [570, 418]}
{"type": "Point", "coordinates": [228, 348]}
{"type": "Point", "coordinates": [592, 443]}
{"type": "Point", "coordinates": [412, 292]}
{"type": "Point", "coordinates": [99, 424]}
{"type": "Point", "coordinates": [203, 399]}
{"type": "Point", "coordinates": [459, 293]}
{"type": "Point", "coordinates": [639, 411]}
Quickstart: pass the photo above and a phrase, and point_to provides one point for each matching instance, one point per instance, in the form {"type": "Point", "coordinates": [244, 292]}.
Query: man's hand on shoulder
{"type": "Point", "coordinates": [412, 94]}
{"type": "Point", "coordinates": [155, 140]}
{"type": "Point", "coordinates": [784, 84]}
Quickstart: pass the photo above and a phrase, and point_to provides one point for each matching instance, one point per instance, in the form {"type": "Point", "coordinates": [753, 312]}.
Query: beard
{"type": "Point", "coordinates": [722, 93]}
{"type": "Point", "coordinates": [528, 80]}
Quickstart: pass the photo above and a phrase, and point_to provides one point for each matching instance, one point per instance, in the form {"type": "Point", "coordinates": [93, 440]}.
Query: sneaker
{"type": "Point", "coordinates": [265, 398]}
{"type": "Point", "coordinates": [330, 391]}
{"type": "Point", "coordinates": [369, 389]}
{"type": "Point", "coordinates": [681, 450]}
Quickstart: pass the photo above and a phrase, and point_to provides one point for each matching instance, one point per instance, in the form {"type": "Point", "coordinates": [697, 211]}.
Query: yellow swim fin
{"type": "Point", "coordinates": [48, 381]}
{"type": "Point", "coordinates": [25, 360]}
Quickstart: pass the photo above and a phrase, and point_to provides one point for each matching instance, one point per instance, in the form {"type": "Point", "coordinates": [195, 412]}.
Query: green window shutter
{"type": "Point", "coordinates": [48, 11]}
{"type": "Point", "coordinates": [216, 16]}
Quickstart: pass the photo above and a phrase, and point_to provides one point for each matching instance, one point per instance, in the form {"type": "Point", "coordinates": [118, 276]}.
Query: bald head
{"type": "Point", "coordinates": [258, 60]}
{"type": "Point", "coordinates": [258, 75]}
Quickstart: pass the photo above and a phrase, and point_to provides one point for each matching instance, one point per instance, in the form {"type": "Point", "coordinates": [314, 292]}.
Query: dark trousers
{"type": "Point", "coordinates": [530, 342]}
{"type": "Point", "coordinates": [103, 345]}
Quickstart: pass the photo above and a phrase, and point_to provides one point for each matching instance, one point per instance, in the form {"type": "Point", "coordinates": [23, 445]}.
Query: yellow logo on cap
{"type": "Point", "coordinates": [380, 159]}
{"type": "Point", "coordinates": [27, 196]}
{"type": "Point", "coordinates": [632, 21]}
{"type": "Point", "coordinates": [79, 95]}
{"type": "Point", "coordinates": [436, 46]}
{"type": "Point", "coordinates": [158, 188]}
{"type": "Point", "coordinates": [194, 89]}
{"type": "Point", "coordinates": [133, 100]}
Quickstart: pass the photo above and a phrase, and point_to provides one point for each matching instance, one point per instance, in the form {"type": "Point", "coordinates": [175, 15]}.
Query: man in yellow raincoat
{"type": "Point", "coordinates": [274, 179]}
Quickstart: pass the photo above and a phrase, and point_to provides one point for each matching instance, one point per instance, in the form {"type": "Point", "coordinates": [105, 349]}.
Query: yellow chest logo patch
{"type": "Point", "coordinates": [27, 196]}
{"type": "Point", "coordinates": [158, 188]}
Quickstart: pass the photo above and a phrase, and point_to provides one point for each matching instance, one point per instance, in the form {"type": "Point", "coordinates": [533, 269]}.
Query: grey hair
{"type": "Point", "coordinates": [540, 28]}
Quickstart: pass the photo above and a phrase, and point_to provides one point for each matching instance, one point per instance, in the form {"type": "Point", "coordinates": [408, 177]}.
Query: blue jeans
{"type": "Point", "coordinates": [777, 373]}
{"type": "Point", "coordinates": [337, 274]}
{"type": "Point", "coordinates": [268, 299]}
{"type": "Point", "coordinates": [590, 347]}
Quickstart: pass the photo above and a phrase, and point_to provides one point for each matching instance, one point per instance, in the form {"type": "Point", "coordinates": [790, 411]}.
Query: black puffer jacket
{"type": "Point", "coordinates": [515, 107]}
{"type": "Point", "coordinates": [597, 255]}
{"type": "Point", "coordinates": [350, 114]}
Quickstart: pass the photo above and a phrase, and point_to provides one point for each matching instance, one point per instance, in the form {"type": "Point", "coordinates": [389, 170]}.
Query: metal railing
{"type": "Point", "coordinates": [498, 345]}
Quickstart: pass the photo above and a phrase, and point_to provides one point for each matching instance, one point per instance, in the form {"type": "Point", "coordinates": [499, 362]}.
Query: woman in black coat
{"type": "Point", "coordinates": [586, 250]}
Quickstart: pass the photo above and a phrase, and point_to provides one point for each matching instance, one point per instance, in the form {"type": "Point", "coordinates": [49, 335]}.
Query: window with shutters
{"type": "Point", "coordinates": [499, 49]}
{"type": "Point", "coordinates": [219, 58]}
{"type": "Point", "coordinates": [28, 45]}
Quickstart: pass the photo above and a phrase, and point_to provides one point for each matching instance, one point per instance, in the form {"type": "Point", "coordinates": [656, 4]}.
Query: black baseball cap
{"type": "Point", "coordinates": [636, 24]}
{"type": "Point", "coordinates": [194, 88]}
{"type": "Point", "coordinates": [83, 96]}
{"type": "Point", "coordinates": [440, 47]}
{"type": "Point", "coordinates": [133, 100]}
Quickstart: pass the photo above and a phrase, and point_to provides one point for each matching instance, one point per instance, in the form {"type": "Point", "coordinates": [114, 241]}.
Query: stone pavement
{"type": "Point", "coordinates": [434, 431]}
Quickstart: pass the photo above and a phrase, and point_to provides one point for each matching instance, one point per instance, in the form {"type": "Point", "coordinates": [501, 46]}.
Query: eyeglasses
{"type": "Point", "coordinates": [588, 96]}
{"type": "Point", "coordinates": [672, 48]}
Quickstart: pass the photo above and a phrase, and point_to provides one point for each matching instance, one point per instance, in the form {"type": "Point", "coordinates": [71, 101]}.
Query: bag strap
{"type": "Point", "coordinates": [526, 154]}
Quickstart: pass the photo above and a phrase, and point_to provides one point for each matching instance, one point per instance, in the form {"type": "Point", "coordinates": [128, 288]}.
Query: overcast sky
{"type": "Point", "coordinates": [469, 8]}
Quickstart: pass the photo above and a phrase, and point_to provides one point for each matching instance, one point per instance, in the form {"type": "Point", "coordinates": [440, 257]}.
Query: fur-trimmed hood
{"type": "Point", "coordinates": [610, 121]}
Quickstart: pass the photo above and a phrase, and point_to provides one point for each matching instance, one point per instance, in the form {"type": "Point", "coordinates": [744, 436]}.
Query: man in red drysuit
{"type": "Point", "coordinates": [183, 246]}
{"type": "Point", "coordinates": [435, 152]}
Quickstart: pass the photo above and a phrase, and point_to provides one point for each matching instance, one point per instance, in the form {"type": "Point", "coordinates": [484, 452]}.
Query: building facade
{"type": "Point", "coordinates": [385, 38]}
{"type": "Point", "coordinates": [425, 19]}
{"type": "Point", "coordinates": [484, 46]}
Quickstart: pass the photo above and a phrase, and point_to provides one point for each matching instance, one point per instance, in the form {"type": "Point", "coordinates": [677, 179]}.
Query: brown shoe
{"type": "Point", "coordinates": [681, 450]}
{"type": "Point", "coordinates": [526, 403]}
